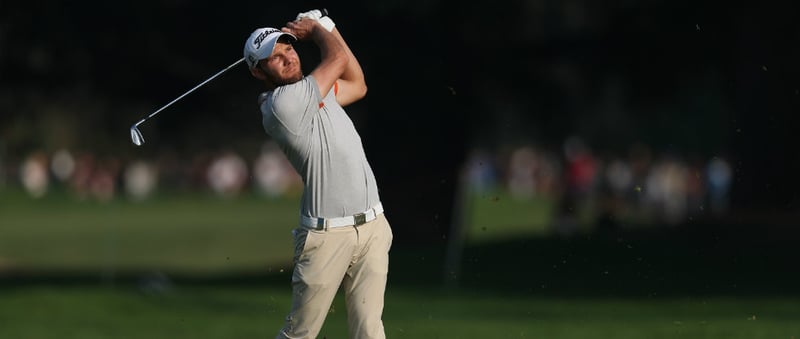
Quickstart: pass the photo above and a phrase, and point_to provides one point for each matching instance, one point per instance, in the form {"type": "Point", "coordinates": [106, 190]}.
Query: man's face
{"type": "Point", "coordinates": [283, 65]}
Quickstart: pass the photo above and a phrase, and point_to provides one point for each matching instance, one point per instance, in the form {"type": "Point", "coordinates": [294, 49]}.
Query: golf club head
{"type": "Point", "coordinates": [136, 136]}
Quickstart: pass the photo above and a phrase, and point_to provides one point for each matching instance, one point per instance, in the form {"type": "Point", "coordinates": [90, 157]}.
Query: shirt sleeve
{"type": "Point", "coordinates": [295, 105]}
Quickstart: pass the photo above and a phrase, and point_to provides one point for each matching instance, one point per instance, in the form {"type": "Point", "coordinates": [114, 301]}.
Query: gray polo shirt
{"type": "Point", "coordinates": [320, 141]}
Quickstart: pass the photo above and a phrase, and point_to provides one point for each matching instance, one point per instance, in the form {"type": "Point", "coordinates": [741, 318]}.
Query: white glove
{"type": "Point", "coordinates": [316, 14]}
{"type": "Point", "coordinates": [313, 14]}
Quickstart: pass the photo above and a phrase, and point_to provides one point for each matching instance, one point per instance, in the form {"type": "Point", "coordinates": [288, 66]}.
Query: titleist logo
{"type": "Point", "coordinates": [260, 38]}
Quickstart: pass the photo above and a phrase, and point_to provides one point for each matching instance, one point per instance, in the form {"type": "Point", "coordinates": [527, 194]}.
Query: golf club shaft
{"type": "Point", "coordinates": [324, 12]}
{"type": "Point", "coordinates": [190, 91]}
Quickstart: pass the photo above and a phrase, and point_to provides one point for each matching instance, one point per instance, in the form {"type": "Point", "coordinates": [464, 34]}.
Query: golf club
{"type": "Point", "coordinates": [136, 135]}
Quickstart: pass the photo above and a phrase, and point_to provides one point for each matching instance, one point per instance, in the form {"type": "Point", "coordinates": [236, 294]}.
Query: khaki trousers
{"type": "Point", "coordinates": [355, 257]}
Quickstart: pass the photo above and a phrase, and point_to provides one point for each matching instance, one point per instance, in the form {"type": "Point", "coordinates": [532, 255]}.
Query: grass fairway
{"type": "Point", "coordinates": [173, 233]}
{"type": "Point", "coordinates": [257, 312]}
{"type": "Point", "coordinates": [497, 215]}
{"type": "Point", "coordinates": [196, 233]}
{"type": "Point", "coordinates": [83, 269]}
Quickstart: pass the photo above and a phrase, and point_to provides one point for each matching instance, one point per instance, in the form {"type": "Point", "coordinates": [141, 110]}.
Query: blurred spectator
{"type": "Point", "coordinates": [140, 179]}
{"type": "Point", "coordinates": [273, 173]}
{"type": "Point", "coordinates": [62, 165]}
{"type": "Point", "coordinates": [640, 160]}
{"type": "Point", "coordinates": [665, 190]}
{"type": "Point", "coordinates": [521, 173]}
{"type": "Point", "coordinates": [227, 174]}
{"type": "Point", "coordinates": [93, 178]}
{"type": "Point", "coordinates": [581, 168]}
{"type": "Point", "coordinates": [615, 181]}
{"type": "Point", "coordinates": [548, 175]}
{"type": "Point", "coordinates": [616, 190]}
{"type": "Point", "coordinates": [619, 176]}
{"type": "Point", "coordinates": [695, 187]}
{"type": "Point", "coordinates": [103, 183]}
{"type": "Point", "coordinates": [579, 189]}
{"type": "Point", "coordinates": [82, 175]}
{"type": "Point", "coordinates": [34, 174]}
{"type": "Point", "coordinates": [720, 176]}
{"type": "Point", "coordinates": [481, 172]}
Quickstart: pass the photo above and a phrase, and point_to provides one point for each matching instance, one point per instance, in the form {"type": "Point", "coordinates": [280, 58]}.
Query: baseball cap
{"type": "Point", "coordinates": [261, 43]}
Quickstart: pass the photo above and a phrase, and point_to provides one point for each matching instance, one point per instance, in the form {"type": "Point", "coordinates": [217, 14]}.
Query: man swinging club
{"type": "Point", "coordinates": [343, 238]}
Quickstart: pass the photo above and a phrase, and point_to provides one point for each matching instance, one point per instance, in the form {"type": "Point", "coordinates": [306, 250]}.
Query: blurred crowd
{"type": "Point", "coordinates": [605, 190]}
{"type": "Point", "coordinates": [88, 176]}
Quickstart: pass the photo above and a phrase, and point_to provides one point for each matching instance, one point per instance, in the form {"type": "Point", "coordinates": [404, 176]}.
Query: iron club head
{"type": "Point", "coordinates": [136, 136]}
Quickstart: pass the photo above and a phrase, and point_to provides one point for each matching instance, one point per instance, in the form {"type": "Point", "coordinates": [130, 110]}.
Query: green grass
{"type": "Point", "coordinates": [175, 233]}
{"type": "Point", "coordinates": [225, 258]}
{"type": "Point", "coordinates": [257, 312]}
{"type": "Point", "coordinates": [497, 215]}
{"type": "Point", "coordinates": [197, 233]}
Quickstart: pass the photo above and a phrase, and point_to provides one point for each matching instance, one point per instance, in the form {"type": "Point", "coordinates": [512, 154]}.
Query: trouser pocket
{"type": "Point", "coordinates": [305, 243]}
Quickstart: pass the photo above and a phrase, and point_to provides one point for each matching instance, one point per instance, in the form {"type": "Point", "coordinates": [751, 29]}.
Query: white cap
{"type": "Point", "coordinates": [261, 43]}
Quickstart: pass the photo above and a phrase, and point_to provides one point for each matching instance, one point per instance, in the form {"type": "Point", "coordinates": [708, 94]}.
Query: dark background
{"type": "Point", "coordinates": [691, 78]}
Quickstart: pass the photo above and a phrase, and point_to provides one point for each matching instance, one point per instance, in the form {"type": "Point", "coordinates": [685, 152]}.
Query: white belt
{"type": "Point", "coordinates": [351, 220]}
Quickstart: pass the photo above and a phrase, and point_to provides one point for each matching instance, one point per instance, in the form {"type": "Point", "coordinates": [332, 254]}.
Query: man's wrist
{"type": "Point", "coordinates": [327, 23]}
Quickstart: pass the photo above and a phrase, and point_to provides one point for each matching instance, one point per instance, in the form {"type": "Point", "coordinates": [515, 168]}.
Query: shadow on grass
{"type": "Point", "coordinates": [690, 260]}
{"type": "Point", "coordinates": [693, 259]}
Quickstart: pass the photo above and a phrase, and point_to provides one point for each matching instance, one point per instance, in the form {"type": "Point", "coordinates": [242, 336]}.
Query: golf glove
{"type": "Point", "coordinates": [316, 14]}
{"type": "Point", "coordinates": [313, 14]}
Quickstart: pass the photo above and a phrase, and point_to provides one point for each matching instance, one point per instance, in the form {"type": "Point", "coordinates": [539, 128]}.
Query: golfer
{"type": "Point", "coordinates": [343, 238]}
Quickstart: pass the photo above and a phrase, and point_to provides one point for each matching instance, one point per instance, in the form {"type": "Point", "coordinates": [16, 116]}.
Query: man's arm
{"type": "Point", "coordinates": [334, 53]}
{"type": "Point", "coordinates": [352, 85]}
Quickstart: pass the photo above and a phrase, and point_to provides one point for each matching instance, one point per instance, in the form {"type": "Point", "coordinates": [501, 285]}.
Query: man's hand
{"type": "Point", "coordinates": [334, 55]}
{"type": "Point", "coordinates": [350, 80]}
{"type": "Point", "coordinates": [303, 29]}
{"type": "Point", "coordinates": [318, 15]}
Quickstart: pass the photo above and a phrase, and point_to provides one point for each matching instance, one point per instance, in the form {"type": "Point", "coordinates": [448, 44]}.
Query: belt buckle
{"type": "Point", "coordinates": [360, 219]}
{"type": "Point", "coordinates": [320, 225]}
